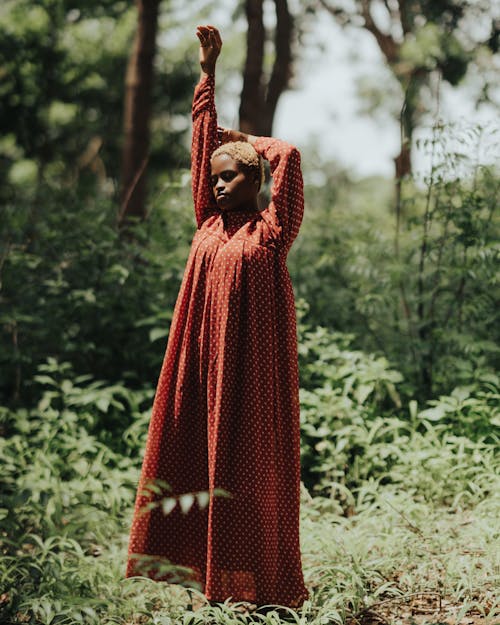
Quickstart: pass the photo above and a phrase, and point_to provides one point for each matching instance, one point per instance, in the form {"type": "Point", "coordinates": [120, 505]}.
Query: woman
{"type": "Point", "coordinates": [226, 410]}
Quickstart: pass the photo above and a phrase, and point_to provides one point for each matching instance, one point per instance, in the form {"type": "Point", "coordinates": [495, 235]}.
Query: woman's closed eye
{"type": "Point", "coordinates": [227, 176]}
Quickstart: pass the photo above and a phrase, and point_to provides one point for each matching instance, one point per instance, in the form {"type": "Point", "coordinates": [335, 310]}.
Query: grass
{"type": "Point", "coordinates": [397, 560]}
{"type": "Point", "coordinates": [405, 532]}
{"type": "Point", "coordinates": [401, 559]}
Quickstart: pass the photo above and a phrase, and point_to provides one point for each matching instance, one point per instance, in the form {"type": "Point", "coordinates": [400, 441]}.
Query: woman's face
{"type": "Point", "coordinates": [233, 187]}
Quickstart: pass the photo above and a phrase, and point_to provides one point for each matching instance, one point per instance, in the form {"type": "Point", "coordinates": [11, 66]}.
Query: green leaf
{"type": "Point", "coordinates": [45, 379]}
{"type": "Point", "coordinates": [157, 333]}
{"type": "Point", "coordinates": [203, 498]}
{"type": "Point", "coordinates": [362, 392]}
{"type": "Point", "coordinates": [433, 414]}
{"type": "Point", "coordinates": [186, 501]}
{"type": "Point", "coordinates": [168, 504]}
{"type": "Point", "coordinates": [103, 404]}
{"type": "Point", "coordinates": [461, 393]}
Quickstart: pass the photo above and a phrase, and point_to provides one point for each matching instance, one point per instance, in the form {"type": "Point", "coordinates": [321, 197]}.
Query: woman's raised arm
{"type": "Point", "coordinates": [204, 116]}
{"type": "Point", "coordinates": [287, 192]}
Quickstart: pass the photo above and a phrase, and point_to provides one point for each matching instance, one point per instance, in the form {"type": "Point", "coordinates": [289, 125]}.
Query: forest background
{"type": "Point", "coordinates": [396, 284]}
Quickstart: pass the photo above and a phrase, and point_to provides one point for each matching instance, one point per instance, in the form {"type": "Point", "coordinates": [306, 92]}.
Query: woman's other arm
{"type": "Point", "coordinates": [287, 193]}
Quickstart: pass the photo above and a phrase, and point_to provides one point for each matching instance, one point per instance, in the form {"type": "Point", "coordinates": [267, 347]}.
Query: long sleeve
{"type": "Point", "coordinates": [286, 208]}
{"type": "Point", "coordinates": [204, 142]}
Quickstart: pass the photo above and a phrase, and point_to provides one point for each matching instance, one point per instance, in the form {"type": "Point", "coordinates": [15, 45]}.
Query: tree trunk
{"type": "Point", "coordinates": [137, 113]}
{"type": "Point", "coordinates": [252, 96]}
{"type": "Point", "coordinates": [258, 99]}
{"type": "Point", "coordinates": [280, 75]}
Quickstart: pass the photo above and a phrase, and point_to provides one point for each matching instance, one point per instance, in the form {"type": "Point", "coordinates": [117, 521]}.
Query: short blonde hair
{"type": "Point", "coordinates": [245, 154]}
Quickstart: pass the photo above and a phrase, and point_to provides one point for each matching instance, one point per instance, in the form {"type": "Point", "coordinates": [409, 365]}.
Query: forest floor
{"type": "Point", "coordinates": [396, 562]}
{"type": "Point", "coordinates": [419, 545]}
{"type": "Point", "coordinates": [395, 559]}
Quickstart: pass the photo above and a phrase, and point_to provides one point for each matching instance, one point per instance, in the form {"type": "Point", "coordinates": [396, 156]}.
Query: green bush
{"type": "Point", "coordinates": [72, 289]}
{"type": "Point", "coordinates": [64, 491]}
{"type": "Point", "coordinates": [357, 434]}
{"type": "Point", "coordinates": [421, 290]}
{"type": "Point", "coordinates": [70, 466]}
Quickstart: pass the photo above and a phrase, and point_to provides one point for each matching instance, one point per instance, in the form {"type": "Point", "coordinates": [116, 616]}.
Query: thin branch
{"type": "Point", "coordinates": [342, 16]}
{"type": "Point", "coordinates": [130, 190]}
{"type": "Point", "coordinates": [400, 599]}
{"type": "Point", "coordinates": [385, 42]}
{"type": "Point", "coordinates": [414, 528]}
{"type": "Point", "coordinates": [403, 16]}
{"type": "Point", "coordinates": [400, 172]}
{"type": "Point", "coordinates": [453, 303]}
{"type": "Point", "coordinates": [399, 182]}
{"type": "Point", "coordinates": [436, 290]}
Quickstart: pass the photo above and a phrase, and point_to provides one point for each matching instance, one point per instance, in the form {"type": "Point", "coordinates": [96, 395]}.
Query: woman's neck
{"type": "Point", "coordinates": [252, 205]}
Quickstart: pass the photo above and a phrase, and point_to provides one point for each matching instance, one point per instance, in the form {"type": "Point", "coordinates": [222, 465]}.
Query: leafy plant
{"type": "Point", "coordinates": [357, 436]}
{"type": "Point", "coordinates": [422, 290]}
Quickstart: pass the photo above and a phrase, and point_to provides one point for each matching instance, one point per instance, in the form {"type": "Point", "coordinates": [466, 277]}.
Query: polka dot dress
{"type": "Point", "coordinates": [226, 409]}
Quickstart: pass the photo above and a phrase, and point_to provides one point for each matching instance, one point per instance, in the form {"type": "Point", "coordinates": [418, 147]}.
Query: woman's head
{"type": "Point", "coordinates": [237, 175]}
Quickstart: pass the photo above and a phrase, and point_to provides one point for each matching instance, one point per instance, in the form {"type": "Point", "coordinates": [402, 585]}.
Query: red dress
{"type": "Point", "coordinates": [226, 410]}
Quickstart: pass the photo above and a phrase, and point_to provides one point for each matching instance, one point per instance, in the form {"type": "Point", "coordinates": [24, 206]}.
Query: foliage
{"type": "Point", "coordinates": [356, 435]}
{"type": "Point", "coordinates": [70, 468]}
{"type": "Point", "coordinates": [79, 293]}
{"type": "Point", "coordinates": [398, 343]}
{"type": "Point", "coordinates": [62, 95]}
{"type": "Point", "coordinates": [52, 115]}
{"type": "Point", "coordinates": [67, 495]}
{"type": "Point", "coordinates": [64, 491]}
{"type": "Point", "coordinates": [432, 312]}
{"type": "Point", "coordinates": [423, 293]}
{"type": "Point", "coordinates": [421, 42]}
{"type": "Point", "coordinates": [399, 560]}
{"type": "Point", "coordinates": [423, 296]}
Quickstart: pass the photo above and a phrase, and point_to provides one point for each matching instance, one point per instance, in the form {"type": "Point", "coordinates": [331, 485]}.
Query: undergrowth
{"type": "Point", "coordinates": [399, 501]}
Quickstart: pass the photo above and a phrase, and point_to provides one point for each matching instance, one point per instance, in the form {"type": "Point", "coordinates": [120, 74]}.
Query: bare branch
{"type": "Point", "coordinates": [342, 16]}
{"type": "Point", "coordinates": [392, 7]}
{"type": "Point", "coordinates": [403, 16]}
{"type": "Point", "coordinates": [386, 43]}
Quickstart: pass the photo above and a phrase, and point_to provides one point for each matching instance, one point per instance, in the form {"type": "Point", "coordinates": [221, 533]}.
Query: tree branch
{"type": "Point", "coordinates": [342, 16]}
{"type": "Point", "coordinates": [386, 43]}
{"type": "Point", "coordinates": [403, 16]}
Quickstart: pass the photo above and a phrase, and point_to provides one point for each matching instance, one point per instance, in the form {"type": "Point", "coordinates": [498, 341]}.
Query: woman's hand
{"type": "Point", "coordinates": [226, 135]}
{"type": "Point", "coordinates": [210, 46]}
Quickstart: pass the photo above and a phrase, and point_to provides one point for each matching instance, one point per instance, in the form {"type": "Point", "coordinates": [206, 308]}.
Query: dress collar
{"type": "Point", "coordinates": [238, 217]}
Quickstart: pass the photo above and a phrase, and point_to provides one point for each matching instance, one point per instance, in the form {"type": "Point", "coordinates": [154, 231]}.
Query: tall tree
{"type": "Point", "coordinates": [260, 94]}
{"type": "Point", "coordinates": [137, 112]}
{"type": "Point", "coordinates": [417, 38]}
